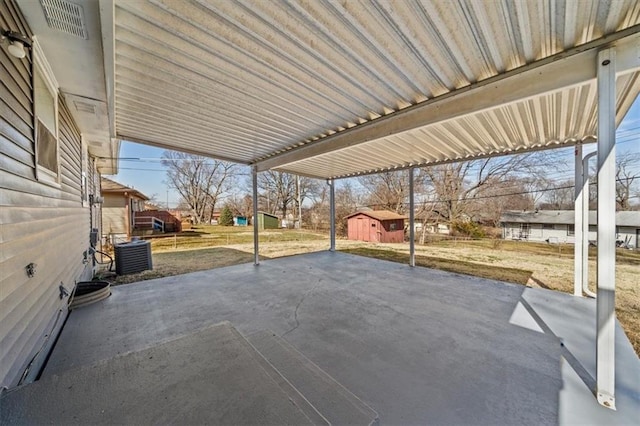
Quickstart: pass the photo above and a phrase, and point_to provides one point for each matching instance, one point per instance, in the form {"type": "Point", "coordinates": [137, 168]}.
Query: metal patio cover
{"type": "Point", "coordinates": [331, 89]}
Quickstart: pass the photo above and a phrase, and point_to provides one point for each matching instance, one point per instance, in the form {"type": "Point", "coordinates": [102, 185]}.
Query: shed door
{"type": "Point", "coordinates": [374, 228]}
{"type": "Point", "coordinates": [362, 231]}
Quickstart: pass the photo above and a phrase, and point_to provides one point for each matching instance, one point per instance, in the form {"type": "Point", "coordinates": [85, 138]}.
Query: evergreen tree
{"type": "Point", "coordinates": [226, 217]}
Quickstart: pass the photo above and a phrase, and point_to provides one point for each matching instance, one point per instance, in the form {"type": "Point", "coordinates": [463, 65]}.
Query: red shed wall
{"type": "Point", "coordinates": [386, 235]}
{"type": "Point", "coordinates": [359, 228]}
{"type": "Point", "coordinates": [364, 228]}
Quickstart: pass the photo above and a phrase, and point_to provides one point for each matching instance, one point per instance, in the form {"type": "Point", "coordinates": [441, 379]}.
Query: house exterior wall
{"type": "Point", "coordinates": [117, 210]}
{"type": "Point", "coordinates": [114, 215]}
{"type": "Point", "coordinates": [561, 233]}
{"type": "Point", "coordinates": [46, 224]}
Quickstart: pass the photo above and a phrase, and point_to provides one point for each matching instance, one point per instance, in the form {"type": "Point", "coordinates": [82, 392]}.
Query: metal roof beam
{"type": "Point", "coordinates": [570, 68]}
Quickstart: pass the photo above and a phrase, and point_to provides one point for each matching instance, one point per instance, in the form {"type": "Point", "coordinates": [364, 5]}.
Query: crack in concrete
{"type": "Point", "coordinates": [295, 313]}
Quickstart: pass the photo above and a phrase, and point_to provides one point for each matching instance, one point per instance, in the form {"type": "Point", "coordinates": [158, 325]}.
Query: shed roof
{"type": "Point", "coordinates": [113, 187]}
{"type": "Point", "coordinates": [267, 214]}
{"type": "Point", "coordinates": [566, 217]}
{"type": "Point", "coordinates": [379, 214]}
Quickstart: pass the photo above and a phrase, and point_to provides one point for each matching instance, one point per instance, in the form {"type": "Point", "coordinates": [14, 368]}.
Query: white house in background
{"type": "Point", "coordinates": [558, 226]}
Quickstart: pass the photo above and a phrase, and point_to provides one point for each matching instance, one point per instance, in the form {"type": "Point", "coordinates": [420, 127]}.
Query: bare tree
{"type": "Point", "coordinates": [347, 200]}
{"type": "Point", "coordinates": [626, 181]}
{"type": "Point", "coordinates": [241, 204]}
{"type": "Point", "coordinates": [200, 181]}
{"type": "Point", "coordinates": [387, 190]}
{"type": "Point", "coordinates": [278, 191]}
{"type": "Point", "coordinates": [510, 194]}
{"type": "Point", "coordinates": [558, 195]}
{"type": "Point", "coordinates": [459, 187]}
{"type": "Point", "coordinates": [318, 214]}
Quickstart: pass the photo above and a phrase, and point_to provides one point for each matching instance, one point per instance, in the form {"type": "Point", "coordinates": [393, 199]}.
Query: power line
{"type": "Point", "coordinates": [532, 191]}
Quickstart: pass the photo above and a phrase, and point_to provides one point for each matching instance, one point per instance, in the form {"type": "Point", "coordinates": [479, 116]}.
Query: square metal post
{"type": "Point", "coordinates": [605, 350]}
{"type": "Point", "coordinates": [412, 231]}
{"type": "Point", "coordinates": [332, 213]}
{"type": "Point", "coordinates": [254, 181]}
{"type": "Point", "coordinates": [578, 228]}
{"type": "Point", "coordinates": [585, 225]}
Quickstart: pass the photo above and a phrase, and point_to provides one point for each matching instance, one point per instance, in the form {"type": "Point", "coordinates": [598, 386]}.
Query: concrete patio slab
{"type": "Point", "coordinates": [329, 397]}
{"type": "Point", "coordinates": [212, 376]}
{"type": "Point", "coordinates": [419, 346]}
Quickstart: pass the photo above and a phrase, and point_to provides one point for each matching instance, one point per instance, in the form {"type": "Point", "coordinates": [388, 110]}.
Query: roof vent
{"type": "Point", "coordinates": [65, 16]}
{"type": "Point", "coordinates": [85, 107]}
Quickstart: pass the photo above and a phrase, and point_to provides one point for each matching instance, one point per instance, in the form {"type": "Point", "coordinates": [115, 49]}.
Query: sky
{"type": "Point", "coordinates": [140, 166]}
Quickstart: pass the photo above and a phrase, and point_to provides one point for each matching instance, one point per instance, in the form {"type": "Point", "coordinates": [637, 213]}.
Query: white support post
{"type": "Point", "coordinates": [605, 311]}
{"type": "Point", "coordinates": [256, 230]}
{"type": "Point", "coordinates": [585, 225]}
{"type": "Point", "coordinates": [578, 229]}
{"type": "Point", "coordinates": [332, 213]}
{"type": "Point", "coordinates": [412, 231]}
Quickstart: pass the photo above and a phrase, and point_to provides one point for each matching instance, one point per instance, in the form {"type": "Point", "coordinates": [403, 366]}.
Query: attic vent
{"type": "Point", "coordinates": [84, 107]}
{"type": "Point", "coordinates": [65, 16]}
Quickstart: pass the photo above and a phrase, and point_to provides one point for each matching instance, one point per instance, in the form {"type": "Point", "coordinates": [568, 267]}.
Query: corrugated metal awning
{"type": "Point", "coordinates": [337, 88]}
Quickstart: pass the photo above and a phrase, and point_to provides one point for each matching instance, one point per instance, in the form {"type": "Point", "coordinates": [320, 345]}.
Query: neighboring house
{"type": "Point", "coordinates": [52, 152]}
{"type": "Point", "coordinates": [558, 226]}
{"type": "Point", "coordinates": [437, 228]}
{"type": "Point", "coordinates": [215, 217]}
{"type": "Point", "coordinates": [380, 226]}
{"type": "Point", "coordinates": [118, 209]}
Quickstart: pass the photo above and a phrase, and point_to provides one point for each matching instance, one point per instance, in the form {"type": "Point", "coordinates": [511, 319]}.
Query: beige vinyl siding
{"type": "Point", "coordinates": [41, 223]}
{"type": "Point", "coordinates": [114, 214]}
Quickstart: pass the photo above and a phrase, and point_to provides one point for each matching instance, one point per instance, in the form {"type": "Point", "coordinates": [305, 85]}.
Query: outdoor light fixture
{"type": "Point", "coordinates": [17, 42]}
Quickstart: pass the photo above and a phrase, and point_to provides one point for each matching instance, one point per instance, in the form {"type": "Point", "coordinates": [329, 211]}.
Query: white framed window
{"type": "Point", "coordinates": [45, 94]}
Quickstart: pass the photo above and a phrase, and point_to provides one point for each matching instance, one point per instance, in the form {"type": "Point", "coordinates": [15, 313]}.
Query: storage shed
{"type": "Point", "coordinates": [240, 221]}
{"type": "Point", "coordinates": [267, 221]}
{"type": "Point", "coordinates": [380, 226]}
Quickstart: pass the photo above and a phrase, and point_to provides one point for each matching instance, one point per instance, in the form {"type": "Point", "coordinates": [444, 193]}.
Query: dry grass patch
{"type": "Point", "coordinates": [512, 275]}
{"type": "Point", "coordinates": [215, 236]}
{"type": "Point", "coordinates": [182, 262]}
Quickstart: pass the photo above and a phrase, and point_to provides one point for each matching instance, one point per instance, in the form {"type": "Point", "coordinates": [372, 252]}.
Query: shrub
{"type": "Point", "coordinates": [226, 217]}
{"type": "Point", "coordinates": [469, 229]}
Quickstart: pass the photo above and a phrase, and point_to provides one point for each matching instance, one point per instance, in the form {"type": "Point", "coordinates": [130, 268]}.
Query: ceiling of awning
{"type": "Point", "coordinates": [290, 84]}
